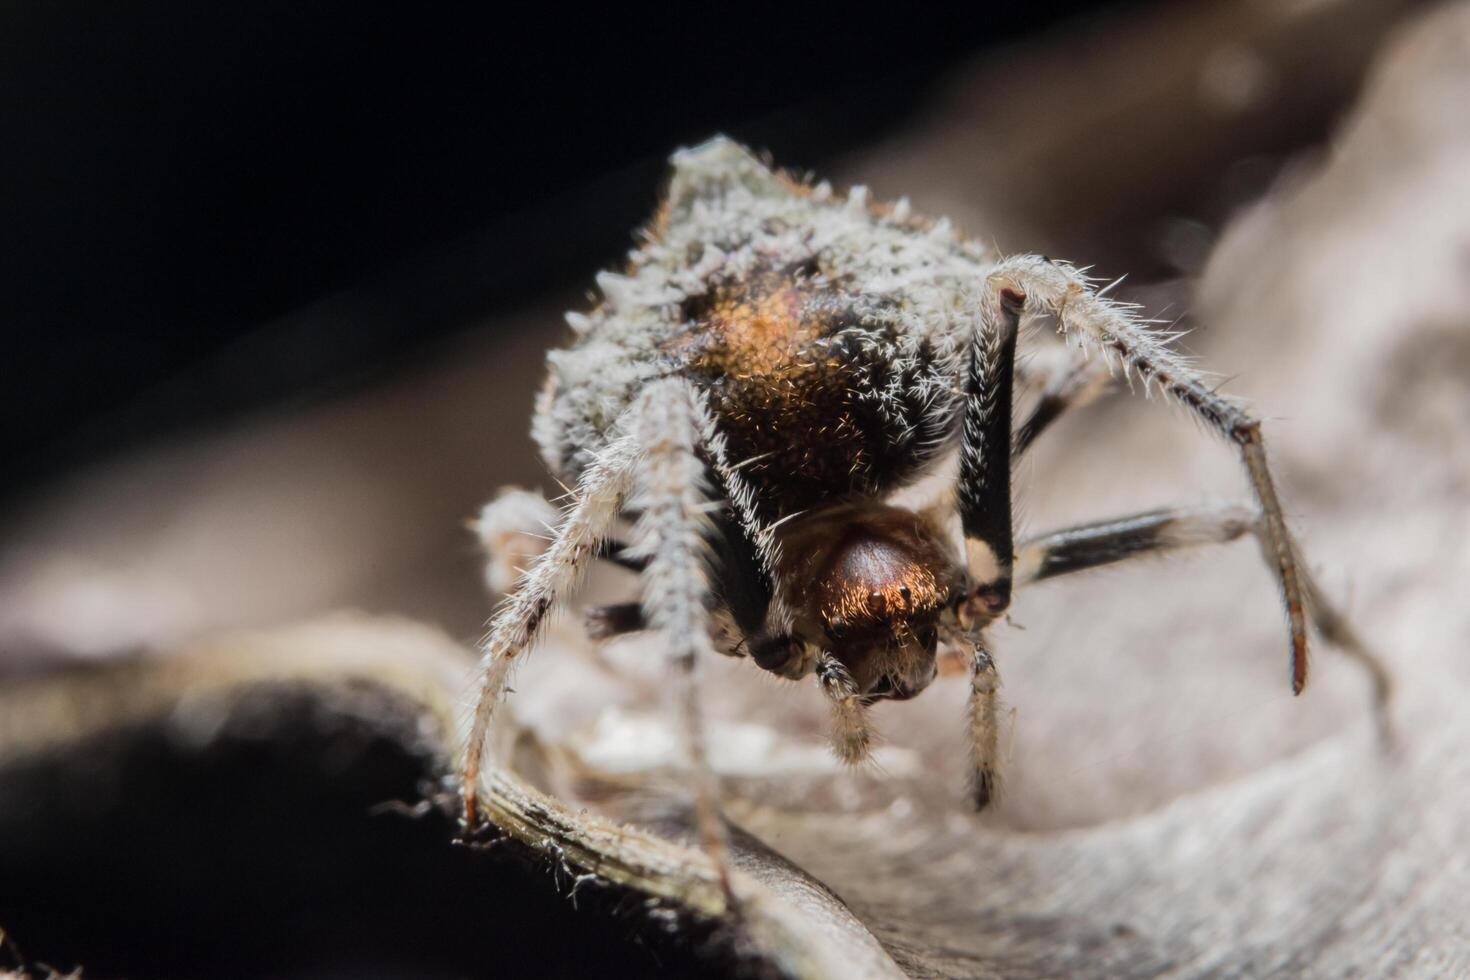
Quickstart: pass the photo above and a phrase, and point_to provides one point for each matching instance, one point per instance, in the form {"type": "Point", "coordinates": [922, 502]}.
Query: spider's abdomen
{"type": "Point", "coordinates": [819, 395]}
{"type": "Point", "coordinates": [826, 333]}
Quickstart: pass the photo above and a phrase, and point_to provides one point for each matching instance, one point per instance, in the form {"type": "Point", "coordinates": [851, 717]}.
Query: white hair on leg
{"type": "Point", "coordinates": [984, 727]}
{"type": "Point", "coordinates": [513, 530]}
{"type": "Point", "coordinates": [598, 499]}
{"type": "Point", "coordinates": [1113, 330]}
{"type": "Point", "coordinates": [852, 737]}
{"type": "Point", "coordinates": [669, 424]}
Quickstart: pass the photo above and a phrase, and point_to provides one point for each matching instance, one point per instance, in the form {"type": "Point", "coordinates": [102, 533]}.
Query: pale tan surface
{"type": "Point", "coordinates": [1169, 808]}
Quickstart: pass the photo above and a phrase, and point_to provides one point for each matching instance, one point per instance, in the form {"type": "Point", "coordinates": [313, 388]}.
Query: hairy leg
{"type": "Point", "coordinates": [852, 738]}
{"type": "Point", "coordinates": [513, 530]}
{"type": "Point", "coordinates": [984, 726]}
{"type": "Point", "coordinates": [1111, 328]}
{"type": "Point", "coordinates": [749, 619]}
{"type": "Point", "coordinates": [672, 535]}
{"type": "Point", "coordinates": [988, 449]}
{"type": "Point", "coordinates": [983, 492]}
{"type": "Point", "coordinates": [555, 573]}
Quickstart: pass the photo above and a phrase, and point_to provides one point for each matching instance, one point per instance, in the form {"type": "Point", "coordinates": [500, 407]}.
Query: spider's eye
{"type": "Point", "coordinates": [928, 637]}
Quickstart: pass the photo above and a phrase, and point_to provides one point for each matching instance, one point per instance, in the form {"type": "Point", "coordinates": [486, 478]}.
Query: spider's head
{"type": "Point", "coordinates": [869, 583]}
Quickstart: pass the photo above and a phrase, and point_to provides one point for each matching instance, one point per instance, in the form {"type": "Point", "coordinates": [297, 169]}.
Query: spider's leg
{"type": "Point", "coordinates": [1338, 630]}
{"type": "Point", "coordinates": [984, 498]}
{"type": "Point", "coordinates": [1060, 291]}
{"type": "Point", "coordinates": [1158, 532]}
{"type": "Point", "coordinates": [1058, 388]}
{"type": "Point", "coordinates": [616, 552]}
{"type": "Point", "coordinates": [615, 619]}
{"type": "Point", "coordinates": [1155, 532]}
{"type": "Point", "coordinates": [984, 725]}
{"type": "Point", "coordinates": [513, 529]}
{"type": "Point", "coordinates": [984, 489]}
{"type": "Point", "coordinates": [670, 425]}
{"type": "Point", "coordinates": [751, 620]}
{"type": "Point", "coordinates": [743, 585]}
{"type": "Point", "coordinates": [521, 615]}
{"type": "Point", "coordinates": [852, 738]}
{"type": "Point", "coordinates": [1082, 380]}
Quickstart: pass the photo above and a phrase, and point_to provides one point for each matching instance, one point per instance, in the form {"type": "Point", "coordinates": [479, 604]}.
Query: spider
{"type": "Point", "coordinates": [774, 365]}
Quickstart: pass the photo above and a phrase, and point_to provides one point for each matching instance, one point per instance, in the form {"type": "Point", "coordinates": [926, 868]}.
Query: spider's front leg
{"type": "Point", "coordinates": [984, 490]}
{"type": "Point", "coordinates": [984, 498]}
{"type": "Point", "coordinates": [984, 725]}
{"type": "Point", "coordinates": [852, 737]}
{"type": "Point", "coordinates": [545, 586]}
{"type": "Point", "coordinates": [658, 459]}
{"type": "Point", "coordinates": [672, 535]}
{"type": "Point", "coordinates": [1058, 290]}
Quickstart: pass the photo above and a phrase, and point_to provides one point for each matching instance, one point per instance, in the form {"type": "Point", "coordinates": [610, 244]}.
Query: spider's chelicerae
{"type": "Point", "coordinates": [775, 362]}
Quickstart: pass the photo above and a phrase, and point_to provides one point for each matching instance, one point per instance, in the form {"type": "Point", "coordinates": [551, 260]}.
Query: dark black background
{"type": "Point", "coordinates": [177, 178]}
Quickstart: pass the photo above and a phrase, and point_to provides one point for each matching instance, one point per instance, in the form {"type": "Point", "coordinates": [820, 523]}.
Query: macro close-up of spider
{"type": "Point", "coordinates": [978, 491]}
{"type": "Point", "coordinates": [778, 363]}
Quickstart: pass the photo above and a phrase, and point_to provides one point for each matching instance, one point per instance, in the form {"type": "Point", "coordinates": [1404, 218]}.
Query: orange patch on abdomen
{"type": "Point", "coordinates": [789, 361]}
{"type": "Point", "coordinates": [769, 326]}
